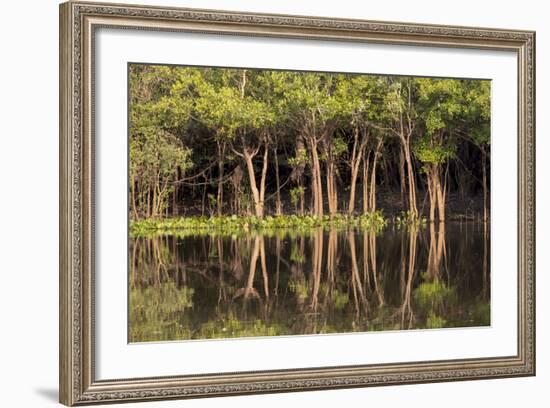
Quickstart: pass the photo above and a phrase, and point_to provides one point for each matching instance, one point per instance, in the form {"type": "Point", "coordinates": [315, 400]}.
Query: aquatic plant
{"type": "Point", "coordinates": [229, 225]}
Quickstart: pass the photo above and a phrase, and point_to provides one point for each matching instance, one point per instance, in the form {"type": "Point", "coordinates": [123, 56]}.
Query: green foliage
{"type": "Point", "coordinates": [296, 193]}
{"type": "Point", "coordinates": [229, 225]}
{"type": "Point", "coordinates": [296, 256]}
{"type": "Point", "coordinates": [190, 118]}
{"type": "Point", "coordinates": [301, 289]}
{"type": "Point", "coordinates": [155, 157]}
{"type": "Point", "coordinates": [429, 151]}
{"type": "Point", "coordinates": [441, 102]}
{"type": "Point", "coordinates": [340, 299]}
{"type": "Point", "coordinates": [224, 110]}
{"type": "Point", "coordinates": [478, 112]}
{"type": "Point", "coordinates": [229, 326]}
{"type": "Point", "coordinates": [300, 159]}
{"type": "Point", "coordinates": [435, 322]}
{"type": "Point", "coordinates": [156, 153]}
{"type": "Point", "coordinates": [482, 313]}
{"type": "Point", "coordinates": [409, 219]}
{"type": "Point", "coordinates": [154, 312]}
{"type": "Point", "coordinates": [337, 148]}
{"type": "Point", "coordinates": [481, 134]}
{"type": "Point", "coordinates": [434, 294]}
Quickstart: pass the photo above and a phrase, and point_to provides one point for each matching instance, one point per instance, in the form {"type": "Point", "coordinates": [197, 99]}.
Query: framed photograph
{"type": "Point", "coordinates": [256, 203]}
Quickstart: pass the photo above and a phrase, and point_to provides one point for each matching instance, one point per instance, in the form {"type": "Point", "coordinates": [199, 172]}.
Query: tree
{"type": "Point", "coordinates": [282, 131]}
{"type": "Point", "coordinates": [356, 95]}
{"type": "Point", "coordinates": [477, 124]}
{"type": "Point", "coordinates": [400, 118]}
{"type": "Point", "coordinates": [441, 103]}
{"type": "Point", "coordinates": [242, 121]}
{"type": "Point", "coordinates": [313, 112]}
{"type": "Point", "coordinates": [156, 154]}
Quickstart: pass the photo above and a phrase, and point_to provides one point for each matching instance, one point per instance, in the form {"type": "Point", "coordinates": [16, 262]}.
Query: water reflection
{"type": "Point", "coordinates": [284, 282]}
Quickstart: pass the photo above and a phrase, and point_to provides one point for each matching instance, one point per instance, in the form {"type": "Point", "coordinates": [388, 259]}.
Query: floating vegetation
{"type": "Point", "coordinates": [235, 225]}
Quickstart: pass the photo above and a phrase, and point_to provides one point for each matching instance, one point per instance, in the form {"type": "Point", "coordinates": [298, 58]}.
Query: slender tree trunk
{"type": "Point", "coordinates": [373, 177]}
{"type": "Point", "coordinates": [356, 159]}
{"type": "Point", "coordinates": [302, 199]}
{"type": "Point", "coordinates": [219, 198]}
{"type": "Point", "coordinates": [353, 183]}
{"type": "Point", "coordinates": [332, 194]}
{"type": "Point", "coordinates": [484, 170]}
{"type": "Point", "coordinates": [441, 194]}
{"type": "Point", "coordinates": [432, 269]}
{"type": "Point", "coordinates": [432, 194]}
{"type": "Point", "coordinates": [366, 165]}
{"type": "Point", "coordinates": [175, 208]}
{"type": "Point", "coordinates": [148, 203]}
{"type": "Point", "coordinates": [402, 182]}
{"type": "Point", "coordinates": [155, 199]}
{"type": "Point", "coordinates": [133, 197]}
{"type": "Point", "coordinates": [203, 201]}
{"type": "Point", "coordinates": [278, 204]}
{"type": "Point", "coordinates": [258, 203]}
{"type": "Point", "coordinates": [405, 141]}
{"type": "Point", "coordinates": [263, 179]}
{"type": "Point", "coordinates": [316, 184]}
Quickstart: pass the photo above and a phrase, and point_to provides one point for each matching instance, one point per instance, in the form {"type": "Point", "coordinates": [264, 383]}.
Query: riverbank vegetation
{"type": "Point", "coordinates": [229, 225]}
{"type": "Point", "coordinates": [244, 148]}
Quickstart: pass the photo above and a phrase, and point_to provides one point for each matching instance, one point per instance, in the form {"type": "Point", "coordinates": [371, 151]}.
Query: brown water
{"type": "Point", "coordinates": [324, 281]}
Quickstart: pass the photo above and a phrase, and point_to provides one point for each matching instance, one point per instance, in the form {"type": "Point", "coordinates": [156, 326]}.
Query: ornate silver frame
{"type": "Point", "coordinates": [78, 20]}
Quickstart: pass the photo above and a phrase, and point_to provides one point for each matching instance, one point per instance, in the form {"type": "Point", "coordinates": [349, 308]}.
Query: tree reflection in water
{"type": "Point", "coordinates": [284, 282]}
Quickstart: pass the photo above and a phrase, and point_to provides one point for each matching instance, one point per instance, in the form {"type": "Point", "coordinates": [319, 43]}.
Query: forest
{"type": "Point", "coordinates": [231, 144]}
{"type": "Point", "coordinates": [267, 202]}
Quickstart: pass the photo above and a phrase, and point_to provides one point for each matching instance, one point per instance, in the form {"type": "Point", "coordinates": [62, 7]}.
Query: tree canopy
{"type": "Point", "coordinates": [257, 142]}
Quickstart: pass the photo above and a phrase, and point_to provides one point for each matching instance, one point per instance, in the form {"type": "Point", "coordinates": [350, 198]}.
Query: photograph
{"type": "Point", "coordinates": [270, 200]}
{"type": "Point", "coordinates": [282, 203]}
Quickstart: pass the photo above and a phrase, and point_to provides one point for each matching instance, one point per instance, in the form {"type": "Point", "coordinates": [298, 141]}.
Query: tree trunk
{"type": "Point", "coordinates": [356, 159]}
{"type": "Point", "coordinates": [332, 194]}
{"type": "Point", "coordinates": [402, 182]}
{"type": "Point", "coordinates": [353, 182]}
{"type": "Point", "coordinates": [133, 197]}
{"type": "Point", "coordinates": [440, 195]}
{"type": "Point", "coordinates": [262, 180]}
{"type": "Point", "coordinates": [432, 195]}
{"type": "Point", "coordinates": [411, 180]}
{"type": "Point", "coordinates": [316, 184]}
{"type": "Point", "coordinates": [278, 205]}
{"type": "Point", "coordinates": [373, 177]}
{"type": "Point", "coordinates": [219, 198]}
{"type": "Point", "coordinates": [302, 199]}
{"type": "Point", "coordinates": [484, 170]}
{"type": "Point", "coordinates": [366, 165]}
{"type": "Point", "coordinates": [258, 208]}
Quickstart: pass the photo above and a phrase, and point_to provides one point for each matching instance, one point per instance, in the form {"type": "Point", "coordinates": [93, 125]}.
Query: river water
{"type": "Point", "coordinates": [283, 282]}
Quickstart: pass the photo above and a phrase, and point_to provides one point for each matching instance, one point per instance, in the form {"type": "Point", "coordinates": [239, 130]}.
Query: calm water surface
{"type": "Point", "coordinates": [285, 282]}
